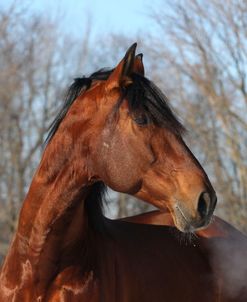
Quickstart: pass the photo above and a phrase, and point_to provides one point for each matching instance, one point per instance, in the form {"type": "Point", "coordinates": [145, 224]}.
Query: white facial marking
{"type": "Point", "coordinates": [106, 145]}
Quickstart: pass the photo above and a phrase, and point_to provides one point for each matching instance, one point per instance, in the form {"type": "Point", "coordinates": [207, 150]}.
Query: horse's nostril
{"type": "Point", "coordinates": [203, 204]}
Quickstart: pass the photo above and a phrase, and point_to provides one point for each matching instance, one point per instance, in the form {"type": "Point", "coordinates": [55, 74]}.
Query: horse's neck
{"type": "Point", "coordinates": [52, 217]}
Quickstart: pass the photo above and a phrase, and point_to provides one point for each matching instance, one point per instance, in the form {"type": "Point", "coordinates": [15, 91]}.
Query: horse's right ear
{"type": "Point", "coordinates": [138, 64]}
{"type": "Point", "coordinates": [120, 76]}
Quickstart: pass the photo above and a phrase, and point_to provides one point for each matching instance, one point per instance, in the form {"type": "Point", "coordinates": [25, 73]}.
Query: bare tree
{"type": "Point", "coordinates": [201, 46]}
{"type": "Point", "coordinates": [36, 66]}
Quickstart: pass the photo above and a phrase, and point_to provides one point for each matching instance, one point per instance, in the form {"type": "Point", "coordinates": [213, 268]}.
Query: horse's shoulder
{"type": "Point", "coordinates": [72, 284]}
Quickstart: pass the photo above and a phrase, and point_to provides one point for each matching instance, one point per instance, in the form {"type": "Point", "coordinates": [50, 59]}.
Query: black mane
{"type": "Point", "coordinates": [144, 97]}
{"type": "Point", "coordinates": [77, 88]}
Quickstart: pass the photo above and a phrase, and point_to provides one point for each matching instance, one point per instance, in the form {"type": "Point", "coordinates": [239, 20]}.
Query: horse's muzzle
{"type": "Point", "coordinates": [190, 221]}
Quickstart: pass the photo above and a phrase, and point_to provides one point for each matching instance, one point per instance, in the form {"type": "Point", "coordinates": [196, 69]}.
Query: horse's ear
{"type": "Point", "coordinates": [138, 65]}
{"type": "Point", "coordinates": [120, 77]}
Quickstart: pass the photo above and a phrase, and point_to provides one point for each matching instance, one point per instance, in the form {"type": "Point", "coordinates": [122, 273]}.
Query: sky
{"type": "Point", "coordinates": [122, 16]}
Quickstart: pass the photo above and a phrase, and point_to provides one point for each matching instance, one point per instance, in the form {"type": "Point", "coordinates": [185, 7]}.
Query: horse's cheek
{"type": "Point", "coordinates": [118, 153]}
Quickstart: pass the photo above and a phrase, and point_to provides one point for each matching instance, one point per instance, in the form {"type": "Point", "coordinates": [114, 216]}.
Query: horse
{"type": "Point", "coordinates": [116, 129]}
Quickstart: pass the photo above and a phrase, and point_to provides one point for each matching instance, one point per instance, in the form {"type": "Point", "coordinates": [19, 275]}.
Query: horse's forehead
{"type": "Point", "coordinates": [98, 91]}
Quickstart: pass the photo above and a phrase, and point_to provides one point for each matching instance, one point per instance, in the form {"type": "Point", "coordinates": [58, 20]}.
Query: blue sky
{"type": "Point", "coordinates": [127, 16]}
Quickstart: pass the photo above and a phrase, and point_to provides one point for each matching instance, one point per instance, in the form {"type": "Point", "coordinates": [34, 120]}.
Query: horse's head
{"type": "Point", "coordinates": [135, 144]}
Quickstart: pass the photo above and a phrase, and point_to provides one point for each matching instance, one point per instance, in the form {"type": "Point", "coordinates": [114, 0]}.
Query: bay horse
{"type": "Point", "coordinates": [116, 129]}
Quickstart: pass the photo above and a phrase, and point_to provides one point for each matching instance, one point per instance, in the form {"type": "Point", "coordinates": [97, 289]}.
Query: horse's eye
{"type": "Point", "coordinates": [141, 120]}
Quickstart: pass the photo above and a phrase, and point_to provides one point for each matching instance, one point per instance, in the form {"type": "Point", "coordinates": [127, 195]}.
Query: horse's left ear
{"type": "Point", "coordinates": [120, 77]}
